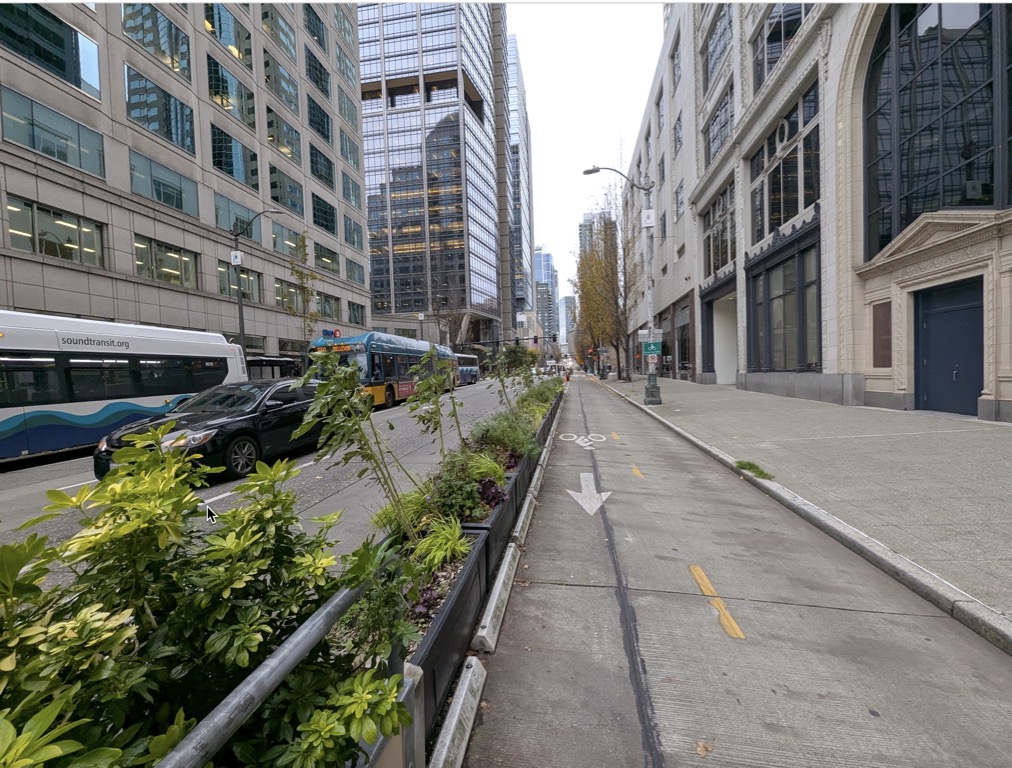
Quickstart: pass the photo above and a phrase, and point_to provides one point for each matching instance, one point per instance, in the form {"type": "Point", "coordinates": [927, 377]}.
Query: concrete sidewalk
{"type": "Point", "coordinates": [935, 488]}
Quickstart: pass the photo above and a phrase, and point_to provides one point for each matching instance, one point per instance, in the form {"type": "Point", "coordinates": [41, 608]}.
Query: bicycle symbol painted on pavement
{"type": "Point", "coordinates": [584, 441]}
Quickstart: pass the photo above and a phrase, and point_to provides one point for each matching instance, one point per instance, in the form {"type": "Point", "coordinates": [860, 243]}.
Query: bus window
{"type": "Point", "coordinates": [166, 376]}
{"type": "Point", "coordinates": [26, 379]}
{"type": "Point", "coordinates": [377, 367]}
{"type": "Point", "coordinates": [208, 373]}
{"type": "Point", "coordinates": [389, 367]}
{"type": "Point", "coordinates": [101, 379]}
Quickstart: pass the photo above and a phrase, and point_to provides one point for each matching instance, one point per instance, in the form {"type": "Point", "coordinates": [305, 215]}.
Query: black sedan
{"type": "Point", "coordinates": [230, 426]}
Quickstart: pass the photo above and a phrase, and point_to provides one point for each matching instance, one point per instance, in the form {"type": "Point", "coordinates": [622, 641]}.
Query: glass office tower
{"type": "Point", "coordinates": [429, 134]}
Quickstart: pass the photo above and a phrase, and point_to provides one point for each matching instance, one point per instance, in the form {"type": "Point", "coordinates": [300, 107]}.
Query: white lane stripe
{"type": "Point", "coordinates": [76, 485]}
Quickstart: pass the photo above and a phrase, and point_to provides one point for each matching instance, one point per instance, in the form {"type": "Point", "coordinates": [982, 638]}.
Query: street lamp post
{"type": "Point", "coordinates": [652, 393]}
{"type": "Point", "coordinates": [237, 263]}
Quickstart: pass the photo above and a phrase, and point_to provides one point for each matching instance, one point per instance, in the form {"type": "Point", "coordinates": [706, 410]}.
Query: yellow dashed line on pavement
{"type": "Point", "coordinates": [729, 625]}
{"type": "Point", "coordinates": [636, 471]}
{"type": "Point", "coordinates": [614, 436]}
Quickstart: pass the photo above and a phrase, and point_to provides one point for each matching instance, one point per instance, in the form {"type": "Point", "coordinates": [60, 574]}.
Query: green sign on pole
{"type": "Point", "coordinates": [651, 347]}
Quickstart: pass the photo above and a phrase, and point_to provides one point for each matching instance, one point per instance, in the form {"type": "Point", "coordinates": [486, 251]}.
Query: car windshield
{"type": "Point", "coordinates": [231, 397]}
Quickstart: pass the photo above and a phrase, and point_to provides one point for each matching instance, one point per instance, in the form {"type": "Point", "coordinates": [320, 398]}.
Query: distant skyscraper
{"type": "Point", "coordinates": [522, 218]}
{"type": "Point", "coordinates": [567, 311]}
{"type": "Point", "coordinates": [586, 232]}
{"type": "Point", "coordinates": [546, 275]}
{"type": "Point", "coordinates": [430, 129]}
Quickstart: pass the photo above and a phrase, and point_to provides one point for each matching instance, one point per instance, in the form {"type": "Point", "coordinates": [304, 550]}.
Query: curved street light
{"type": "Point", "coordinates": [237, 263]}
{"type": "Point", "coordinates": [652, 392]}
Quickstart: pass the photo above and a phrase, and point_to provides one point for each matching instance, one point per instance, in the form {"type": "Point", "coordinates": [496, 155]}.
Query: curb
{"type": "Point", "coordinates": [495, 609]}
{"type": "Point", "coordinates": [963, 607]}
{"type": "Point", "coordinates": [452, 744]}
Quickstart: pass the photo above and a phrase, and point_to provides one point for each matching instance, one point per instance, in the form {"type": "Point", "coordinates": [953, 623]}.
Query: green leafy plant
{"type": "Point", "coordinates": [433, 376]}
{"type": "Point", "coordinates": [454, 492]}
{"type": "Point", "coordinates": [754, 469]}
{"type": "Point", "coordinates": [506, 436]}
{"type": "Point", "coordinates": [444, 543]}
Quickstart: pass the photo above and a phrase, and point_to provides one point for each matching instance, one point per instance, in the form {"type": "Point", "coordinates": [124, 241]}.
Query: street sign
{"type": "Point", "coordinates": [651, 347]}
{"type": "Point", "coordinates": [236, 258]}
{"type": "Point", "coordinates": [651, 358]}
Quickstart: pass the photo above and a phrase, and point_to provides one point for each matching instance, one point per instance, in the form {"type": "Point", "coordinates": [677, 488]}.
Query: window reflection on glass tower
{"type": "Point", "coordinates": [521, 216]}
{"type": "Point", "coordinates": [430, 160]}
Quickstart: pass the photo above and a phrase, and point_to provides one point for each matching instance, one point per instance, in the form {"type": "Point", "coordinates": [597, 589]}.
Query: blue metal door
{"type": "Point", "coordinates": [950, 347]}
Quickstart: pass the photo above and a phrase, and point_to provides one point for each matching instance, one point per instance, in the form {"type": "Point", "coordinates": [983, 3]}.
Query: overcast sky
{"type": "Point", "coordinates": [588, 68]}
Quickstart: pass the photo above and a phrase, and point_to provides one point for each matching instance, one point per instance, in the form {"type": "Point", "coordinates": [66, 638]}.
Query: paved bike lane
{"type": "Point", "coordinates": [690, 617]}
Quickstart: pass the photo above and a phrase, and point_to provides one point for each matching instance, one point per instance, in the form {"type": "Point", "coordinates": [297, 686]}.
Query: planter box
{"type": "Point", "coordinates": [498, 525]}
{"type": "Point", "coordinates": [445, 644]}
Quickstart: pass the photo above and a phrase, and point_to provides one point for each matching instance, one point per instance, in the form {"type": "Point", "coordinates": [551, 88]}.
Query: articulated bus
{"type": "Point", "coordinates": [384, 361]}
{"type": "Point", "coordinates": [467, 365]}
{"type": "Point", "coordinates": [67, 383]}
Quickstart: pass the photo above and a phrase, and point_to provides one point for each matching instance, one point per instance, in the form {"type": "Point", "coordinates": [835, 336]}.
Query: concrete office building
{"type": "Point", "coordinates": [436, 153]}
{"type": "Point", "coordinates": [546, 282]}
{"type": "Point", "coordinates": [567, 315]}
{"type": "Point", "coordinates": [135, 136]}
{"type": "Point", "coordinates": [848, 200]}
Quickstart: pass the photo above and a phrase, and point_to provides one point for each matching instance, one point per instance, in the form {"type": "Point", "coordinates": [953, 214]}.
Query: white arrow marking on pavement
{"type": "Point", "coordinates": [589, 498]}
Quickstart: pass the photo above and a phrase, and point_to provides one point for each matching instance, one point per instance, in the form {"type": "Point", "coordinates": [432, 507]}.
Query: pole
{"type": "Point", "coordinates": [238, 282]}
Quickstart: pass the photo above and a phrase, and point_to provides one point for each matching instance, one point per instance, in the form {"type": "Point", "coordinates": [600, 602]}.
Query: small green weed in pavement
{"type": "Point", "coordinates": [755, 469]}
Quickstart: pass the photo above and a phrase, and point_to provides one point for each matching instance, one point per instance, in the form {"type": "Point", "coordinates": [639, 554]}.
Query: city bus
{"type": "Point", "coordinates": [467, 365]}
{"type": "Point", "coordinates": [66, 383]}
{"type": "Point", "coordinates": [384, 361]}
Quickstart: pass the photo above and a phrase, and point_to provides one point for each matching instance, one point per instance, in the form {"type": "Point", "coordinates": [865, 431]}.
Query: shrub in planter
{"type": "Point", "coordinates": [506, 436]}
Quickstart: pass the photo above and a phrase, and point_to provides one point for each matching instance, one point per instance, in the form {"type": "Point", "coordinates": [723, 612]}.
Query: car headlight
{"type": "Point", "coordinates": [191, 440]}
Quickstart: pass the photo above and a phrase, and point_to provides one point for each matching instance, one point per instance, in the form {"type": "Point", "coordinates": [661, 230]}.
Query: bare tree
{"type": "Point", "coordinates": [303, 305]}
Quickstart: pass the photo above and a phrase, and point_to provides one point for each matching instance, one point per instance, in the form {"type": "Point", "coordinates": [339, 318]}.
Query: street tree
{"type": "Point", "coordinates": [303, 305]}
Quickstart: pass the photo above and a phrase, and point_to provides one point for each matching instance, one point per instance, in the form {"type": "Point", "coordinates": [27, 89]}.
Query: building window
{"type": "Point", "coordinates": [156, 182]}
{"type": "Point", "coordinates": [719, 236]}
{"type": "Point", "coordinates": [287, 191]}
{"type": "Point", "coordinates": [281, 32]}
{"type": "Point", "coordinates": [224, 27]}
{"type": "Point", "coordinates": [327, 258]}
{"type": "Point", "coordinates": [355, 271]}
{"type": "Point", "coordinates": [324, 215]}
{"type": "Point", "coordinates": [344, 25]}
{"type": "Point", "coordinates": [328, 306]}
{"type": "Point", "coordinates": [231, 216]}
{"type": "Point", "coordinates": [356, 313]}
{"type": "Point", "coordinates": [164, 262]}
{"type": "Point", "coordinates": [346, 107]}
{"type": "Point", "coordinates": [321, 166]}
{"type": "Point", "coordinates": [280, 81]}
{"type": "Point", "coordinates": [249, 279]}
{"type": "Point", "coordinates": [936, 133]}
{"type": "Point", "coordinates": [37, 229]}
{"type": "Point", "coordinates": [676, 63]}
{"type": "Point", "coordinates": [785, 168]}
{"type": "Point", "coordinates": [159, 112]}
{"type": "Point", "coordinates": [228, 92]}
{"type": "Point", "coordinates": [317, 73]}
{"type": "Point", "coordinates": [316, 28]}
{"type": "Point", "coordinates": [287, 296]}
{"type": "Point", "coordinates": [284, 137]}
{"type": "Point", "coordinates": [717, 44]}
{"type": "Point", "coordinates": [353, 233]}
{"type": "Point", "coordinates": [284, 240]}
{"type": "Point", "coordinates": [718, 130]}
{"type": "Point", "coordinates": [347, 67]}
{"type": "Point", "coordinates": [785, 314]}
{"type": "Point", "coordinates": [662, 227]}
{"type": "Point", "coordinates": [678, 134]}
{"type": "Point", "coordinates": [47, 41]}
{"type": "Point", "coordinates": [319, 119]}
{"type": "Point", "coordinates": [155, 33]}
{"type": "Point", "coordinates": [882, 335]}
{"type": "Point", "coordinates": [349, 149]}
{"type": "Point", "coordinates": [775, 37]}
{"type": "Point", "coordinates": [680, 199]}
{"type": "Point", "coordinates": [661, 109]}
{"type": "Point", "coordinates": [39, 128]}
{"type": "Point", "coordinates": [351, 190]}
{"type": "Point", "coordinates": [661, 174]}
{"type": "Point", "coordinates": [234, 158]}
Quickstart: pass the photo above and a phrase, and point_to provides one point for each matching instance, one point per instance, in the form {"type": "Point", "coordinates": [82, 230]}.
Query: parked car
{"type": "Point", "coordinates": [230, 425]}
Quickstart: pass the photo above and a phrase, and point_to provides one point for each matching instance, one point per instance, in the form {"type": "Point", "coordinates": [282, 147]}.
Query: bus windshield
{"type": "Point", "coordinates": [359, 359]}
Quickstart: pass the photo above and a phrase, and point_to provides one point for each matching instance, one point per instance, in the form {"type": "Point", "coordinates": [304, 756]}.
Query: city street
{"type": "Point", "coordinates": [668, 612]}
{"type": "Point", "coordinates": [320, 489]}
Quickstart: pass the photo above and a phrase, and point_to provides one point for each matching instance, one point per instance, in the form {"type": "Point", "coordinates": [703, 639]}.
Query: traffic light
{"type": "Point", "coordinates": [535, 339]}
{"type": "Point", "coordinates": [555, 338]}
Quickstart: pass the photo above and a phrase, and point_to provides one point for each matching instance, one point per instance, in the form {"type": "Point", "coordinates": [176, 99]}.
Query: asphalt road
{"type": "Point", "coordinates": [320, 488]}
{"type": "Point", "coordinates": [691, 620]}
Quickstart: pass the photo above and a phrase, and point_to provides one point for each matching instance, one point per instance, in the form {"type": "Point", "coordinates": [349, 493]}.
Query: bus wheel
{"type": "Point", "coordinates": [241, 457]}
{"type": "Point", "coordinates": [388, 398]}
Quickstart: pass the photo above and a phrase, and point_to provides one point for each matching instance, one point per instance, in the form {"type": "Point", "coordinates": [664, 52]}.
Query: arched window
{"type": "Point", "coordinates": [937, 109]}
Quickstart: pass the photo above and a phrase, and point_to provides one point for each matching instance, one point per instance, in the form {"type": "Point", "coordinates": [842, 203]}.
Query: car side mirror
{"type": "Point", "coordinates": [273, 405]}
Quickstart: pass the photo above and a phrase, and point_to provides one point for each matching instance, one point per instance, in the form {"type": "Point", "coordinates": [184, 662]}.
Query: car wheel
{"type": "Point", "coordinates": [388, 398]}
{"type": "Point", "coordinates": [241, 457]}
